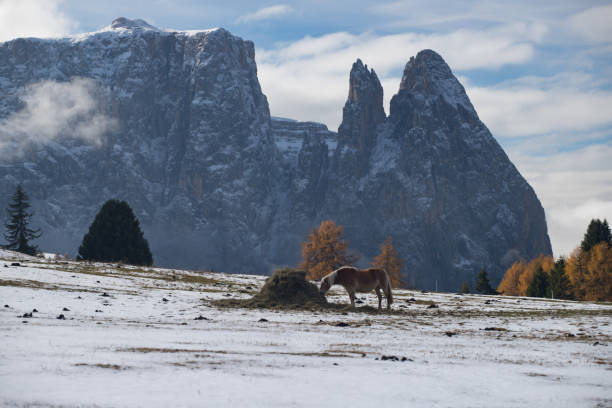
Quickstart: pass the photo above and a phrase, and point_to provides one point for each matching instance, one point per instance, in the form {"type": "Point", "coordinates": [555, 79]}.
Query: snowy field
{"type": "Point", "coordinates": [130, 338]}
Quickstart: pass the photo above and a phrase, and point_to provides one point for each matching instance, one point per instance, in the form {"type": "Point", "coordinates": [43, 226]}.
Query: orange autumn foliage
{"type": "Point", "coordinates": [324, 251]}
{"type": "Point", "coordinates": [509, 284]}
{"type": "Point", "coordinates": [590, 273]}
{"type": "Point", "coordinates": [389, 261]}
{"type": "Point", "coordinates": [517, 278]}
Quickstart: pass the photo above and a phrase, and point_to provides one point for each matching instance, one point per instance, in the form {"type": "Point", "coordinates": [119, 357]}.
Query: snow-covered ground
{"type": "Point", "coordinates": [129, 338]}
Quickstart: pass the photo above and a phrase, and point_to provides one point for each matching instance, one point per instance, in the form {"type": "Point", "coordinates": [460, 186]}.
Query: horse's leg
{"type": "Point", "coordinates": [388, 295]}
{"type": "Point", "coordinates": [351, 294]}
{"type": "Point", "coordinates": [379, 298]}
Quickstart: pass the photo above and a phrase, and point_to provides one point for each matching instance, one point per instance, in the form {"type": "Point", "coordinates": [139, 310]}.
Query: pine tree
{"type": "Point", "coordinates": [539, 284]}
{"type": "Point", "coordinates": [324, 251]}
{"type": "Point", "coordinates": [17, 232]}
{"type": "Point", "coordinates": [465, 288]}
{"type": "Point", "coordinates": [597, 232]}
{"type": "Point", "coordinates": [389, 261]}
{"type": "Point", "coordinates": [559, 284]}
{"type": "Point", "coordinates": [482, 283]}
{"type": "Point", "coordinates": [115, 236]}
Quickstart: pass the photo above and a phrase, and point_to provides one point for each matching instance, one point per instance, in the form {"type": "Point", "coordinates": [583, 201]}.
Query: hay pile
{"type": "Point", "coordinates": [285, 288]}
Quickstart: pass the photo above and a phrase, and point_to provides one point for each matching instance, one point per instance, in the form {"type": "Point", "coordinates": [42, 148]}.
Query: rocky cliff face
{"type": "Point", "coordinates": [436, 181]}
{"type": "Point", "coordinates": [217, 184]}
{"type": "Point", "coordinates": [192, 152]}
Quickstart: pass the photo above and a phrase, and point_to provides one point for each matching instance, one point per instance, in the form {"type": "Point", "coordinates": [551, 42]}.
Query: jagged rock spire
{"type": "Point", "coordinates": [363, 111]}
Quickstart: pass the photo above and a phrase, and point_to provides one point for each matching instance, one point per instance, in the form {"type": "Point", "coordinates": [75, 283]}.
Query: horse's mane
{"type": "Point", "coordinates": [332, 275]}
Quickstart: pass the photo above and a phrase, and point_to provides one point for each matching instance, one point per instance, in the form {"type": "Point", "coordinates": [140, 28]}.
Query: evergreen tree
{"type": "Point", "coordinates": [325, 251]}
{"type": "Point", "coordinates": [482, 283]}
{"type": "Point", "coordinates": [115, 235]}
{"type": "Point", "coordinates": [559, 284]}
{"type": "Point", "coordinates": [539, 284]}
{"type": "Point", "coordinates": [465, 287]}
{"type": "Point", "coordinates": [17, 232]}
{"type": "Point", "coordinates": [389, 261]}
{"type": "Point", "coordinates": [597, 232]}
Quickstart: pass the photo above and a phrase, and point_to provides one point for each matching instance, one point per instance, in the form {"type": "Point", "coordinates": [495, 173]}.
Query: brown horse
{"type": "Point", "coordinates": [356, 280]}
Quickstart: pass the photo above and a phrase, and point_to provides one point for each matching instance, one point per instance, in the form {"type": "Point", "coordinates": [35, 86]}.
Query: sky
{"type": "Point", "coordinates": [539, 73]}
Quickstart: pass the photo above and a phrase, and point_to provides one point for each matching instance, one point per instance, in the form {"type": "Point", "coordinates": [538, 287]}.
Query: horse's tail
{"type": "Point", "coordinates": [390, 296]}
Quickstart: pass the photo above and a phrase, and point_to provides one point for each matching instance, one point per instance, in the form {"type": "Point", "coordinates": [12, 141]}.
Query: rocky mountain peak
{"type": "Point", "coordinates": [433, 177]}
{"type": "Point", "coordinates": [364, 87]}
{"type": "Point", "coordinates": [429, 75]}
{"type": "Point", "coordinates": [362, 112]}
{"type": "Point", "coordinates": [123, 23]}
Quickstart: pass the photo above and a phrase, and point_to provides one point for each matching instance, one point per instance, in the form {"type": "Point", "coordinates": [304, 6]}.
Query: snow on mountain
{"type": "Point", "coordinates": [185, 136]}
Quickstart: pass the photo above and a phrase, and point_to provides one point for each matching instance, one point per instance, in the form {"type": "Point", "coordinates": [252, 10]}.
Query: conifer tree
{"type": "Point", "coordinates": [324, 251]}
{"type": "Point", "coordinates": [389, 261]}
{"type": "Point", "coordinates": [539, 284]}
{"type": "Point", "coordinates": [17, 234]}
{"type": "Point", "coordinates": [482, 283]}
{"type": "Point", "coordinates": [559, 284]}
{"type": "Point", "coordinates": [596, 232]}
{"type": "Point", "coordinates": [465, 288]}
{"type": "Point", "coordinates": [115, 236]}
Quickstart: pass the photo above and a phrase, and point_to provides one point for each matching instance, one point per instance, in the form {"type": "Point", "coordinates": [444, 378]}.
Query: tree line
{"type": "Point", "coordinates": [585, 275]}
{"type": "Point", "coordinates": [113, 236]}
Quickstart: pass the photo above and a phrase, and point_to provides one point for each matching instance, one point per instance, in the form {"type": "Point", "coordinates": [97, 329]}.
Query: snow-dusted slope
{"type": "Point", "coordinates": [175, 122]}
{"type": "Point", "coordinates": [130, 337]}
{"type": "Point", "coordinates": [190, 151]}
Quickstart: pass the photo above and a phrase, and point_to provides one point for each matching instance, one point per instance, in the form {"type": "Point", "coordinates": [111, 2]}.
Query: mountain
{"type": "Point", "coordinates": [432, 176]}
{"type": "Point", "coordinates": [191, 153]}
{"type": "Point", "coordinates": [175, 123]}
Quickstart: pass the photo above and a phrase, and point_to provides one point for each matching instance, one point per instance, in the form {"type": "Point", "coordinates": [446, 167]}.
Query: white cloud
{"type": "Point", "coordinates": [265, 13]}
{"type": "Point", "coordinates": [54, 110]}
{"type": "Point", "coordinates": [519, 111]}
{"type": "Point", "coordinates": [574, 187]}
{"type": "Point", "coordinates": [594, 24]}
{"type": "Point", "coordinates": [33, 18]}
{"type": "Point", "coordinates": [308, 79]}
{"type": "Point", "coordinates": [537, 116]}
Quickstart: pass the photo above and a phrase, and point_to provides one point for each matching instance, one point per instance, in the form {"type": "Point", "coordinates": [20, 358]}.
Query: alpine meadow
{"type": "Point", "coordinates": [305, 204]}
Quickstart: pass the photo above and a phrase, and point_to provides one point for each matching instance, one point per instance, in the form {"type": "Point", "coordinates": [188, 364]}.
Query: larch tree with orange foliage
{"type": "Point", "coordinates": [520, 275]}
{"type": "Point", "coordinates": [576, 270]}
{"type": "Point", "coordinates": [598, 286]}
{"type": "Point", "coordinates": [546, 262]}
{"type": "Point", "coordinates": [509, 285]}
{"type": "Point", "coordinates": [389, 261]}
{"type": "Point", "coordinates": [324, 251]}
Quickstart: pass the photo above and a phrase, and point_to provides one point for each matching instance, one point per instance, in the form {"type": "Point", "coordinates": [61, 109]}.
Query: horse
{"type": "Point", "coordinates": [356, 280]}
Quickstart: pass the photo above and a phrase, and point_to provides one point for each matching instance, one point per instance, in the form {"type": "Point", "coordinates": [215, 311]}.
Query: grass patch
{"type": "Point", "coordinates": [102, 365]}
{"type": "Point", "coordinates": [146, 350]}
{"type": "Point", "coordinates": [31, 284]}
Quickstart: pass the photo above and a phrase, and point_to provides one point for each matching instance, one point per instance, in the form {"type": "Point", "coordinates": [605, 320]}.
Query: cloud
{"type": "Point", "coordinates": [594, 24]}
{"type": "Point", "coordinates": [562, 104]}
{"type": "Point", "coordinates": [33, 18]}
{"type": "Point", "coordinates": [315, 70]}
{"type": "Point", "coordinates": [545, 122]}
{"type": "Point", "coordinates": [265, 13]}
{"type": "Point", "coordinates": [53, 110]}
{"type": "Point", "coordinates": [574, 187]}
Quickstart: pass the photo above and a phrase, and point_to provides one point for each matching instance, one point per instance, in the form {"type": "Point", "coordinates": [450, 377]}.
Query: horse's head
{"type": "Point", "coordinates": [325, 285]}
